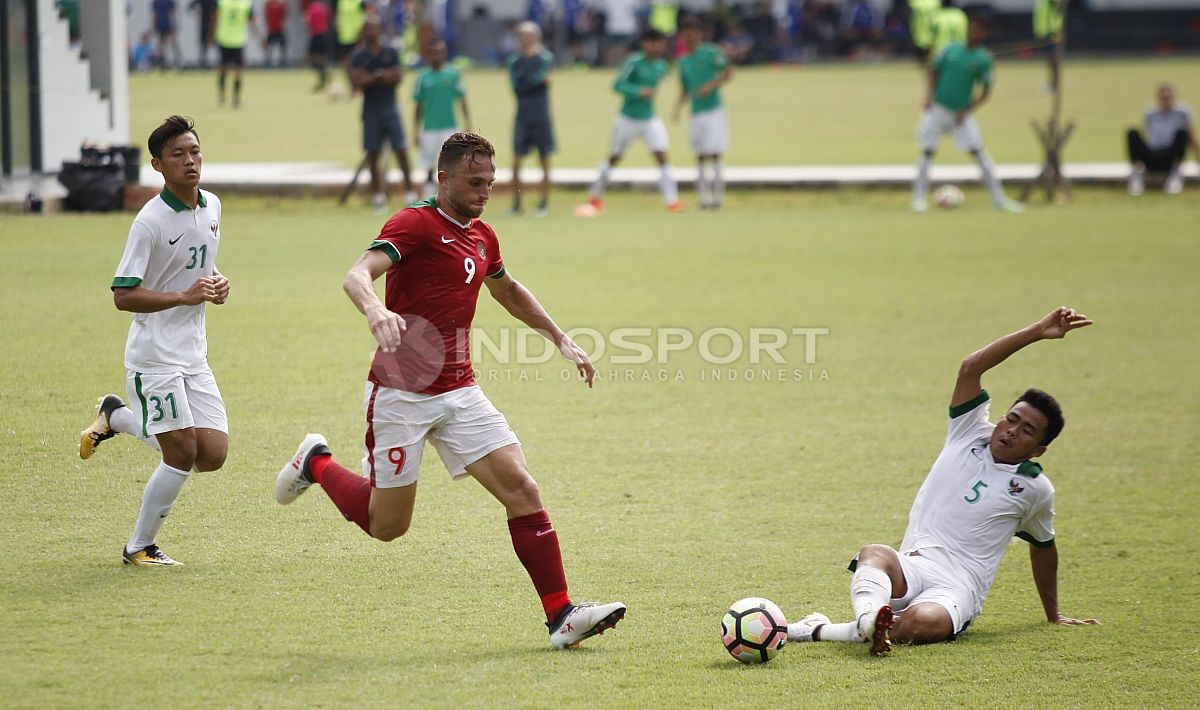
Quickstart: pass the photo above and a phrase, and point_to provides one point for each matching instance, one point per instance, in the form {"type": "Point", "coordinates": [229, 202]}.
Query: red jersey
{"type": "Point", "coordinates": [277, 11]}
{"type": "Point", "coordinates": [317, 16]}
{"type": "Point", "coordinates": [438, 267]}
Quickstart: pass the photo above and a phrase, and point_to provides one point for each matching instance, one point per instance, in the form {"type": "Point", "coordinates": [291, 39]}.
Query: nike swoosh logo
{"type": "Point", "coordinates": [539, 533]}
{"type": "Point", "coordinates": [447, 241]}
{"type": "Point", "coordinates": [172, 241]}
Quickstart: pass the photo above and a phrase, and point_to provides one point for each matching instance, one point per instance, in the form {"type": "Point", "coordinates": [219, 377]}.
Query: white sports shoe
{"type": "Point", "coordinates": [1137, 182]}
{"type": "Point", "coordinates": [1010, 206]}
{"type": "Point", "coordinates": [1174, 183]}
{"type": "Point", "coordinates": [874, 626]}
{"type": "Point", "coordinates": [803, 629]}
{"type": "Point", "coordinates": [581, 621]}
{"type": "Point", "coordinates": [920, 206]}
{"type": "Point", "coordinates": [295, 478]}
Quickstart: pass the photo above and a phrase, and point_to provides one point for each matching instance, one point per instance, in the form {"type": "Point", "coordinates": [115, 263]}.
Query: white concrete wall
{"type": "Point", "coordinates": [73, 112]}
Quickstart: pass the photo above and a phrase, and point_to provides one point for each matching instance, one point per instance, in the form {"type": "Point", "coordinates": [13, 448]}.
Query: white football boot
{"type": "Point", "coordinates": [580, 621]}
{"type": "Point", "coordinates": [803, 629]}
{"type": "Point", "coordinates": [295, 478]}
{"type": "Point", "coordinates": [874, 626]}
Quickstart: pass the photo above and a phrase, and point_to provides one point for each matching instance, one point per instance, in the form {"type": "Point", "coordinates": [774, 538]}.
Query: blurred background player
{"type": "Point", "coordinates": [235, 18]}
{"type": "Point", "coordinates": [949, 25]}
{"type": "Point", "coordinates": [1169, 132]}
{"type": "Point", "coordinates": [529, 72]}
{"type": "Point", "coordinates": [166, 26]}
{"type": "Point", "coordinates": [375, 70]}
{"type": "Point", "coordinates": [922, 16]}
{"type": "Point", "coordinates": [276, 16]}
{"type": "Point", "coordinates": [703, 71]}
{"type": "Point", "coordinates": [166, 275]}
{"type": "Point", "coordinates": [438, 86]}
{"type": "Point", "coordinates": [351, 14]}
{"type": "Point", "coordinates": [949, 104]}
{"type": "Point", "coordinates": [1047, 27]}
{"type": "Point", "coordinates": [207, 21]}
{"type": "Point", "coordinates": [638, 78]}
{"type": "Point", "coordinates": [316, 16]}
{"type": "Point", "coordinates": [438, 255]}
{"type": "Point", "coordinates": [983, 489]}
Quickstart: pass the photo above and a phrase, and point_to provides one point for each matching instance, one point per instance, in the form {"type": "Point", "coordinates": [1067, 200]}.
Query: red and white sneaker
{"type": "Point", "coordinates": [295, 478]}
{"type": "Point", "coordinates": [874, 627]}
{"type": "Point", "coordinates": [580, 621]}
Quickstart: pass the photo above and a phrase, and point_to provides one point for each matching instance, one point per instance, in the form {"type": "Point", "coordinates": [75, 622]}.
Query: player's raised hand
{"type": "Point", "coordinates": [386, 326]}
{"type": "Point", "coordinates": [200, 291]}
{"type": "Point", "coordinates": [1060, 321]}
{"type": "Point", "coordinates": [575, 354]}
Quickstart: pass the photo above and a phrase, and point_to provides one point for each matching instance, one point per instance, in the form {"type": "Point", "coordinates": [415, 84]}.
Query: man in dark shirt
{"type": "Point", "coordinates": [208, 20]}
{"type": "Point", "coordinates": [529, 71]}
{"type": "Point", "coordinates": [376, 71]}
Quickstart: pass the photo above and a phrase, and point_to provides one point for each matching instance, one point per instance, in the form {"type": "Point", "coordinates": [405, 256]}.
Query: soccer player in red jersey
{"type": "Point", "coordinates": [437, 254]}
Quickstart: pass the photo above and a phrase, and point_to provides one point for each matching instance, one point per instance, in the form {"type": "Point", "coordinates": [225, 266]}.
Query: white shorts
{"type": "Point", "coordinates": [938, 121]}
{"type": "Point", "coordinates": [933, 578]}
{"type": "Point", "coordinates": [176, 401]}
{"type": "Point", "coordinates": [710, 132]}
{"type": "Point", "coordinates": [431, 146]}
{"type": "Point", "coordinates": [650, 130]}
{"type": "Point", "coordinates": [463, 425]}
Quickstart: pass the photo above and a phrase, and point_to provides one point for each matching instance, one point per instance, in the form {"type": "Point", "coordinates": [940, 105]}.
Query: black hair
{"type": "Point", "coordinates": [1049, 408]}
{"type": "Point", "coordinates": [171, 128]}
{"type": "Point", "coordinates": [651, 35]}
{"type": "Point", "coordinates": [691, 22]}
{"type": "Point", "coordinates": [463, 145]}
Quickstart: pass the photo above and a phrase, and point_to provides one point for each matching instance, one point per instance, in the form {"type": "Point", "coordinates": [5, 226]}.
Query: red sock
{"type": "Point", "coordinates": [536, 543]}
{"type": "Point", "coordinates": [349, 492]}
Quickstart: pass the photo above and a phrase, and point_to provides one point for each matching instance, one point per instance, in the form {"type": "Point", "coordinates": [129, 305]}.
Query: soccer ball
{"type": "Point", "coordinates": [753, 630]}
{"type": "Point", "coordinates": [948, 197]}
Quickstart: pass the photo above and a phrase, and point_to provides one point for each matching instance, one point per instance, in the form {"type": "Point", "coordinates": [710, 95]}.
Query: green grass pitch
{"type": "Point", "coordinates": [676, 497]}
{"type": "Point", "coordinates": [820, 115]}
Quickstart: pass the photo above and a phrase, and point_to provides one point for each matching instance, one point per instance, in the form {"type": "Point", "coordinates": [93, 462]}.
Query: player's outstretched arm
{"type": "Point", "coordinates": [138, 299]}
{"type": "Point", "coordinates": [1055, 324]}
{"type": "Point", "coordinates": [1044, 561]}
{"type": "Point", "coordinates": [524, 306]}
{"type": "Point", "coordinates": [359, 285]}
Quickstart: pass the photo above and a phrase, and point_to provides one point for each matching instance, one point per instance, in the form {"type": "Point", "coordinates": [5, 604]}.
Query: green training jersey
{"type": "Point", "coordinates": [233, 17]}
{"type": "Point", "coordinates": [958, 68]}
{"type": "Point", "coordinates": [949, 25]}
{"type": "Point", "coordinates": [1047, 18]}
{"type": "Point", "coordinates": [637, 74]}
{"type": "Point", "coordinates": [920, 23]}
{"type": "Point", "coordinates": [436, 91]}
{"type": "Point", "coordinates": [697, 69]}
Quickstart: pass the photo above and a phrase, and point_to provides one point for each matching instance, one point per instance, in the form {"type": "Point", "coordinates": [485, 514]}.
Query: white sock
{"type": "Point", "coordinates": [666, 185]}
{"type": "Point", "coordinates": [718, 180]}
{"type": "Point", "coordinates": [157, 500]}
{"type": "Point", "coordinates": [703, 188]}
{"type": "Point", "coordinates": [989, 177]}
{"type": "Point", "coordinates": [870, 588]}
{"type": "Point", "coordinates": [122, 419]}
{"type": "Point", "coordinates": [601, 181]}
{"type": "Point", "coordinates": [846, 632]}
{"type": "Point", "coordinates": [921, 186]}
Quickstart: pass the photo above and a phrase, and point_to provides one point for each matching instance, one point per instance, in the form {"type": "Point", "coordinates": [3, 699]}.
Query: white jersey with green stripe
{"type": "Point", "coordinates": [170, 246]}
{"type": "Point", "coordinates": [971, 506]}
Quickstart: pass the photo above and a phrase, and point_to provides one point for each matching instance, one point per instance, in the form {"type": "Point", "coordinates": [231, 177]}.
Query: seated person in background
{"type": "Point", "coordinates": [737, 44]}
{"type": "Point", "coordinates": [1169, 132]}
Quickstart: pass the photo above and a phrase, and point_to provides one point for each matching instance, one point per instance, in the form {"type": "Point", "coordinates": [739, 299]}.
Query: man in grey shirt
{"type": "Point", "coordinates": [1169, 133]}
